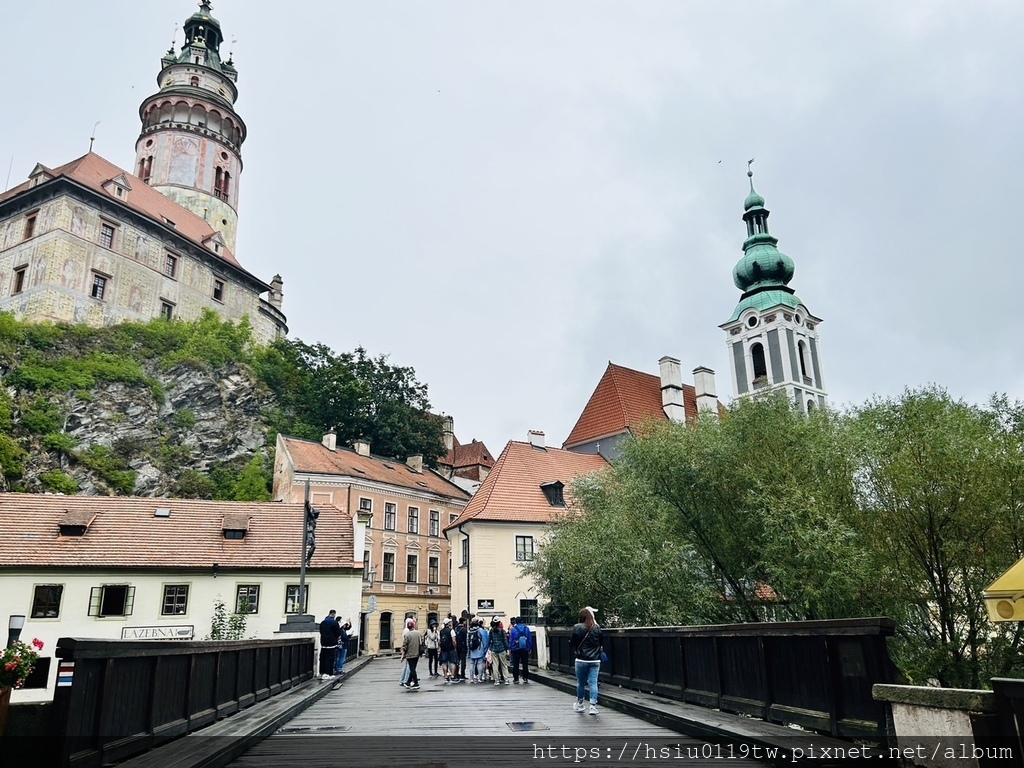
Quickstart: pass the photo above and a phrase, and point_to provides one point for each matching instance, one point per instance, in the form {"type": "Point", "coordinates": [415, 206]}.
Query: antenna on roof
{"type": "Point", "coordinates": [93, 137]}
{"type": "Point", "coordinates": [7, 184]}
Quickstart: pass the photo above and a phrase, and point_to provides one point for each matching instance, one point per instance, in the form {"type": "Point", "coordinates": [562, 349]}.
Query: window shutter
{"type": "Point", "coordinates": [94, 600]}
{"type": "Point", "coordinates": [129, 601]}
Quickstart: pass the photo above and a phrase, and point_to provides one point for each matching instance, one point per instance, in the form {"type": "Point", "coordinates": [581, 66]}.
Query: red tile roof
{"type": "Point", "coordinates": [622, 400]}
{"type": "Point", "coordinates": [512, 490]}
{"type": "Point", "coordinates": [468, 455]}
{"type": "Point", "coordinates": [125, 533]}
{"type": "Point", "coordinates": [315, 458]}
{"type": "Point", "coordinates": [93, 171]}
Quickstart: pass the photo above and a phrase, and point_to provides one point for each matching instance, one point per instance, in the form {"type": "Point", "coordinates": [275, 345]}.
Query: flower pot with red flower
{"type": "Point", "coordinates": [16, 663]}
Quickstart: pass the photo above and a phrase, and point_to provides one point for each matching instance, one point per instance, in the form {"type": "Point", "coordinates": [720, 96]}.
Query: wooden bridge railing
{"type": "Point", "coordinates": [116, 698]}
{"type": "Point", "coordinates": [815, 674]}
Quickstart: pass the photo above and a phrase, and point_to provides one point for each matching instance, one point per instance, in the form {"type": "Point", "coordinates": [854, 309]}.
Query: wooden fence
{"type": "Point", "coordinates": [116, 698]}
{"type": "Point", "coordinates": [815, 674]}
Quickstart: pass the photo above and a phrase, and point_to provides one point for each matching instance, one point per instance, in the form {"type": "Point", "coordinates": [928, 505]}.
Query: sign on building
{"type": "Point", "coordinates": [178, 632]}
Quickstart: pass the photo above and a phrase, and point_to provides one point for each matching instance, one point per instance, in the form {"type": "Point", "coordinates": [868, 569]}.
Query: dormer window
{"type": "Point", "coordinates": [76, 522]}
{"type": "Point", "coordinates": [235, 526]}
{"type": "Point", "coordinates": [553, 493]}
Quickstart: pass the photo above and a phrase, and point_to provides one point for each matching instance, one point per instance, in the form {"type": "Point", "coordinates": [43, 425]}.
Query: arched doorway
{"type": "Point", "coordinates": [385, 632]}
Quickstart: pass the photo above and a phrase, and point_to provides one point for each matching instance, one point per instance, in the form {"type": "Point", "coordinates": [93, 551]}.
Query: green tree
{"type": "Point", "coordinates": [739, 518]}
{"type": "Point", "coordinates": [253, 482]}
{"type": "Point", "coordinates": [940, 491]}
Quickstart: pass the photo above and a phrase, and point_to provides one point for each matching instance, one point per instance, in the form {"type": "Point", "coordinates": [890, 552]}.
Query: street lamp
{"type": "Point", "coordinates": [14, 626]}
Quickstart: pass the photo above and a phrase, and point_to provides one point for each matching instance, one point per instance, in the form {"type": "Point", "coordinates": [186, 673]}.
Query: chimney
{"type": "Point", "coordinates": [536, 438]}
{"type": "Point", "coordinates": [362, 447]}
{"type": "Point", "coordinates": [704, 384]}
{"type": "Point", "coordinates": [276, 296]}
{"type": "Point", "coordinates": [415, 463]}
{"type": "Point", "coordinates": [330, 440]}
{"type": "Point", "coordinates": [672, 389]}
{"type": "Point", "coordinates": [448, 429]}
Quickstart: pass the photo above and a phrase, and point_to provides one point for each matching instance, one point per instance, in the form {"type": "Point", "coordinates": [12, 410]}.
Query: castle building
{"type": "Point", "coordinates": [772, 336]}
{"type": "Point", "coordinates": [89, 242]}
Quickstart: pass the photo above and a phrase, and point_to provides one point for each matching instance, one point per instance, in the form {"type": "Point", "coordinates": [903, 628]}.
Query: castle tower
{"type": "Point", "coordinates": [191, 140]}
{"type": "Point", "coordinates": [772, 337]}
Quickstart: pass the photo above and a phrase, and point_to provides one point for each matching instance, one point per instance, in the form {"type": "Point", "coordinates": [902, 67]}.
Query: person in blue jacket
{"type": "Point", "coordinates": [520, 644]}
{"type": "Point", "coordinates": [478, 641]}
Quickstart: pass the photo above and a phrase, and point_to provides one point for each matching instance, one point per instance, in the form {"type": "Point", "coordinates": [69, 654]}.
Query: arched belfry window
{"type": "Point", "coordinates": [757, 359]}
{"type": "Point", "coordinates": [810, 406]}
{"type": "Point", "coordinates": [802, 353]}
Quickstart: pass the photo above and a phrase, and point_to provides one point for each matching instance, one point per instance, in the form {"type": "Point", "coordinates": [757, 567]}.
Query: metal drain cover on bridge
{"type": "Point", "coordinates": [528, 726]}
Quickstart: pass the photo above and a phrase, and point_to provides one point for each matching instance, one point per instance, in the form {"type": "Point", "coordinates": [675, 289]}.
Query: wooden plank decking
{"type": "Point", "coordinates": [370, 720]}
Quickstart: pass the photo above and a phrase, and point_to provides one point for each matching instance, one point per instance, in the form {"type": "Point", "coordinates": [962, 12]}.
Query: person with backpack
{"type": "Point", "coordinates": [430, 641]}
{"type": "Point", "coordinates": [499, 654]}
{"type": "Point", "coordinates": [478, 642]}
{"type": "Point", "coordinates": [462, 648]}
{"type": "Point", "coordinates": [449, 656]}
{"type": "Point", "coordinates": [521, 642]}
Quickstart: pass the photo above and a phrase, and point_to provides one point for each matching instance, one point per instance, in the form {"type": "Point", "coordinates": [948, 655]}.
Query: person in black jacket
{"type": "Point", "coordinates": [462, 647]}
{"type": "Point", "coordinates": [585, 643]}
{"type": "Point", "coordinates": [330, 633]}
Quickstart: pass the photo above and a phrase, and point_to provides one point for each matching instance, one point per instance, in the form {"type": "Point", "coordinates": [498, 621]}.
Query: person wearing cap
{"type": "Point", "coordinates": [586, 645]}
{"type": "Point", "coordinates": [521, 643]}
{"type": "Point", "coordinates": [430, 641]}
{"type": "Point", "coordinates": [449, 657]}
{"type": "Point", "coordinates": [343, 640]}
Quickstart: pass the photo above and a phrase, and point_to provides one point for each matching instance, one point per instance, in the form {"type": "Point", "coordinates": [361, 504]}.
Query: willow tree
{"type": "Point", "coordinates": [940, 487]}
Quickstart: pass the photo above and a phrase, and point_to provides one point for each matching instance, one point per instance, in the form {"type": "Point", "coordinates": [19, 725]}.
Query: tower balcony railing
{"type": "Point", "coordinates": [200, 129]}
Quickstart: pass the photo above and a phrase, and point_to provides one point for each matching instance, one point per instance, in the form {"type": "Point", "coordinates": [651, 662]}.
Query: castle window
{"type": "Point", "coordinates": [194, 82]}
{"type": "Point", "coordinates": [759, 363]}
{"type": "Point", "coordinates": [221, 184]}
{"type": "Point", "coordinates": [146, 168]}
{"type": "Point", "coordinates": [107, 235]}
{"type": "Point", "coordinates": [99, 286]}
{"type": "Point", "coordinates": [218, 290]}
{"type": "Point", "coordinates": [166, 310]}
{"type": "Point", "coordinates": [30, 226]}
{"type": "Point", "coordinates": [171, 265]}
{"type": "Point", "coordinates": [19, 280]}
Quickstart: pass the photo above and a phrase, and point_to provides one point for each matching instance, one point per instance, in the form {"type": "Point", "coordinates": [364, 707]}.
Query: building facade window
{"type": "Point", "coordinates": [46, 601]}
{"type": "Point", "coordinates": [452, 517]}
{"type": "Point", "coordinates": [758, 362]}
{"type": "Point", "coordinates": [170, 265]}
{"type": "Point", "coordinates": [218, 289]}
{"type": "Point", "coordinates": [366, 565]}
{"type": "Point", "coordinates": [166, 310]}
{"type": "Point", "coordinates": [111, 600]}
{"type": "Point", "coordinates": [389, 566]}
{"type": "Point", "coordinates": [19, 280]}
{"type": "Point", "coordinates": [99, 286]}
{"type": "Point", "coordinates": [412, 568]}
{"type": "Point", "coordinates": [175, 600]}
{"type": "Point", "coordinates": [433, 570]}
{"type": "Point", "coordinates": [30, 226]}
{"type": "Point", "coordinates": [107, 235]}
{"type": "Point", "coordinates": [528, 611]}
{"type": "Point", "coordinates": [465, 550]}
{"type": "Point", "coordinates": [366, 505]}
{"type": "Point", "coordinates": [524, 548]}
{"type": "Point", "coordinates": [390, 516]}
{"type": "Point", "coordinates": [802, 354]}
{"type": "Point", "coordinates": [414, 520]}
{"type": "Point", "coordinates": [291, 599]}
{"type": "Point", "coordinates": [435, 522]}
{"type": "Point", "coordinates": [247, 598]}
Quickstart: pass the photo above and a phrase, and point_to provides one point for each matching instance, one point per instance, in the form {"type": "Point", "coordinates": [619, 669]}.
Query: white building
{"type": "Point", "coordinates": [141, 568]}
{"type": "Point", "coordinates": [772, 337]}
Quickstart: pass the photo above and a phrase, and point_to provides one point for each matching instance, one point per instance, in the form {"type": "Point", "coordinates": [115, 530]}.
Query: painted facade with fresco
{"type": "Point", "coordinates": [88, 242]}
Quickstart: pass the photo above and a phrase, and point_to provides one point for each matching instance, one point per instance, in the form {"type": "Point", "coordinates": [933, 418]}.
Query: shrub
{"type": "Point", "coordinates": [59, 482]}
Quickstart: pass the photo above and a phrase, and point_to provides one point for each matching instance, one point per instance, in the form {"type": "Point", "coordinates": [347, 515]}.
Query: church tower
{"type": "Point", "coordinates": [772, 337]}
{"type": "Point", "coordinates": [191, 140]}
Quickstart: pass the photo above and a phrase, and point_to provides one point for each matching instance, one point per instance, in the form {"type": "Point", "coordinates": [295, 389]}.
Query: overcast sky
{"type": "Point", "coordinates": [507, 195]}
